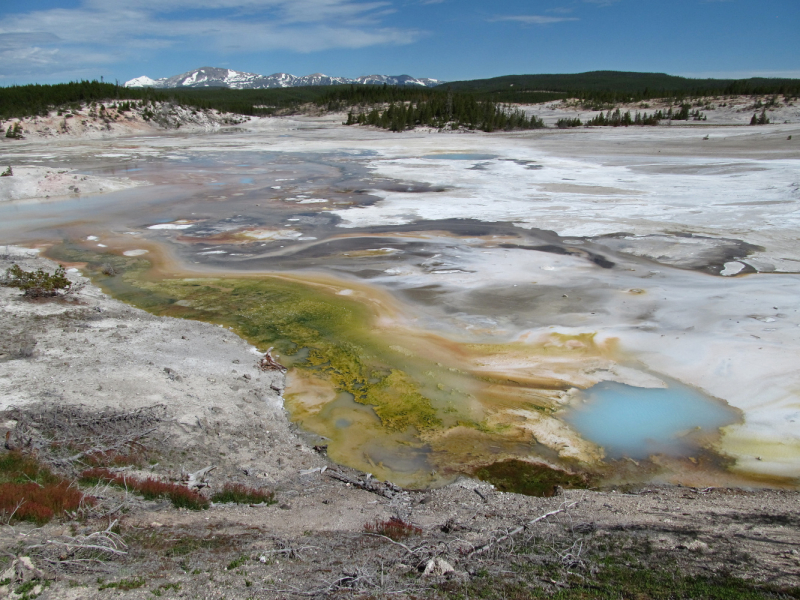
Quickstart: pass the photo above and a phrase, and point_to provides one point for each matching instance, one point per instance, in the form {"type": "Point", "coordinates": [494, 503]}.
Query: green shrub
{"type": "Point", "coordinates": [124, 584]}
{"type": "Point", "coordinates": [14, 131]}
{"type": "Point", "coordinates": [38, 283]}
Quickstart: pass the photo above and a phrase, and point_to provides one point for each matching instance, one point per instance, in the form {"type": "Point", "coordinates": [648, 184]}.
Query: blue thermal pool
{"type": "Point", "coordinates": [639, 422]}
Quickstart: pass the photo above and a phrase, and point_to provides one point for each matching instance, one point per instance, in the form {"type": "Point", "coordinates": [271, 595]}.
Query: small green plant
{"type": "Point", "coordinates": [159, 591]}
{"type": "Point", "coordinates": [241, 494]}
{"type": "Point", "coordinates": [235, 564]}
{"type": "Point", "coordinates": [8, 172]}
{"type": "Point", "coordinates": [26, 587]}
{"type": "Point", "coordinates": [123, 584]}
{"type": "Point", "coordinates": [38, 283]}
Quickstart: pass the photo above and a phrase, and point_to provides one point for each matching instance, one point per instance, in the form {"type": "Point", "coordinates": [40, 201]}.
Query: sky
{"type": "Point", "coordinates": [50, 41]}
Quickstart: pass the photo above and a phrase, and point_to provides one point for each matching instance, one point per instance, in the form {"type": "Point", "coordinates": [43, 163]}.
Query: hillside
{"type": "Point", "coordinates": [620, 84]}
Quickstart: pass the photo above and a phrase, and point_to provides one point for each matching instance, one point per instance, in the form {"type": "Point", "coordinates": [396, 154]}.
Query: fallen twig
{"type": "Point", "coordinates": [388, 539]}
{"type": "Point", "coordinates": [198, 478]}
{"type": "Point", "coordinates": [385, 488]}
{"type": "Point", "coordinates": [485, 547]}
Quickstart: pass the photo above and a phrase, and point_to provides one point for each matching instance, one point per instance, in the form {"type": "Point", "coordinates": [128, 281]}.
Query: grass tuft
{"type": "Point", "coordinates": [124, 584]}
{"type": "Point", "coordinates": [241, 494]}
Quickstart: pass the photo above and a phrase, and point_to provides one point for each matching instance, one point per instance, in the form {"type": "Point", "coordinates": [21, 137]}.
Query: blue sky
{"type": "Point", "coordinates": [46, 41]}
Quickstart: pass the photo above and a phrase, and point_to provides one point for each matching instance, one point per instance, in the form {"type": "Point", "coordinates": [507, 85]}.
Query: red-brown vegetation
{"type": "Point", "coordinates": [393, 528]}
{"type": "Point", "coordinates": [151, 489]}
{"type": "Point", "coordinates": [29, 491]}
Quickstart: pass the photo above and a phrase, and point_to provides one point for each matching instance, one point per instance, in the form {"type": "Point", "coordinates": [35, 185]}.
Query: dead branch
{"type": "Point", "coordinates": [490, 544]}
{"type": "Point", "coordinates": [267, 363]}
{"type": "Point", "coordinates": [388, 539]}
{"type": "Point", "coordinates": [368, 483]}
{"type": "Point", "coordinates": [104, 449]}
{"type": "Point", "coordinates": [198, 478]}
{"type": "Point", "coordinates": [95, 548]}
{"type": "Point", "coordinates": [52, 429]}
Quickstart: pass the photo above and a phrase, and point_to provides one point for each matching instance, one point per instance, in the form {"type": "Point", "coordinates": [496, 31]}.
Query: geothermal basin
{"type": "Point", "coordinates": [621, 304]}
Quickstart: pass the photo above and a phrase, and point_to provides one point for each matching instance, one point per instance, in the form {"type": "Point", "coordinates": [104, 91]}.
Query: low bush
{"type": "Point", "coordinates": [567, 123]}
{"type": "Point", "coordinates": [29, 491]}
{"type": "Point", "coordinates": [241, 494]}
{"type": "Point", "coordinates": [14, 131]}
{"type": "Point", "coordinates": [111, 458]}
{"type": "Point", "coordinates": [38, 283]}
{"type": "Point", "coordinates": [393, 528]}
{"type": "Point", "coordinates": [150, 489]}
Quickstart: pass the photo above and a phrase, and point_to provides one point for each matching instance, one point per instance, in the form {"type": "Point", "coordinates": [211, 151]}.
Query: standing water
{"type": "Point", "coordinates": [639, 422]}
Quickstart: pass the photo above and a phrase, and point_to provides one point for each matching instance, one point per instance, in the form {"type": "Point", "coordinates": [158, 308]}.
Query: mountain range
{"type": "Point", "coordinates": [238, 80]}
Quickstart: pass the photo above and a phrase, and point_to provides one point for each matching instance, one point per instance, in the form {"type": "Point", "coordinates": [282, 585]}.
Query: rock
{"type": "Point", "coordinates": [21, 569]}
{"type": "Point", "coordinates": [584, 528]}
{"type": "Point", "coordinates": [437, 567]}
{"type": "Point", "coordinates": [697, 546]}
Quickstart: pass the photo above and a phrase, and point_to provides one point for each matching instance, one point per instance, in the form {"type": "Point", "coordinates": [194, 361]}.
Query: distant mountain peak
{"type": "Point", "coordinates": [240, 80]}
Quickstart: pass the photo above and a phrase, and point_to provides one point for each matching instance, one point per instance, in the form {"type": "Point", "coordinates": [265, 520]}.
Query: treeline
{"type": "Point", "coordinates": [37, 100]}
{"type": "Point", "coordinates": [451, 110]}
{"type": "Point", "coordinates": [615, 87]}
{"type": "Point", "coordinates": [619, 119]}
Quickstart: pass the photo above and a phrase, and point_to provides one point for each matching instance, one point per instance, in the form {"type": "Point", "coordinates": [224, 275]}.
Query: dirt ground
{"type": "Point", "coordinates": [213, 407]}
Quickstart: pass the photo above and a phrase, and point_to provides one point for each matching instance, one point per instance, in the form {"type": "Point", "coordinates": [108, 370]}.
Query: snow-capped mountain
{"type": "Point", "coordinates": [142, 81]}
{"type": "Point", "coordinates": [227, 78]}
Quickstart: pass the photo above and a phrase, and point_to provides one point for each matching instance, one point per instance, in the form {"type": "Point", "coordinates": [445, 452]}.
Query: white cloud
{"type": "Point", "coordinates": [534, 19]}
{"type": "Point", "coordinates": [99, 32]}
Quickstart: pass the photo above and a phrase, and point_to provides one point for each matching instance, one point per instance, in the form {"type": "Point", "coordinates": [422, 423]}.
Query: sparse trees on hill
{"type": "Point", "coordinates": [567, 123]}
{"type": "Point", "coordinates": [760, 120]}
{"type": "Point", "coordinates": [451, 110]}
{"type": "Point", "coordinates": [14, 131]}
